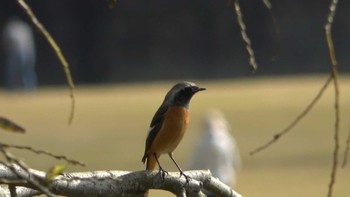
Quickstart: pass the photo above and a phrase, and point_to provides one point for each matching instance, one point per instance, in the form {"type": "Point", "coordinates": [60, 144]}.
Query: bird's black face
{"type": "Point", "coordinates": [189, 91]}
{"type": "Point", "coordinates": [185, 92]}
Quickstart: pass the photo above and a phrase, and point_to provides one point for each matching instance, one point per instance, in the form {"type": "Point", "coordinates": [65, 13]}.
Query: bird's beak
{"type": "Point", "coordinates": [199, 89]}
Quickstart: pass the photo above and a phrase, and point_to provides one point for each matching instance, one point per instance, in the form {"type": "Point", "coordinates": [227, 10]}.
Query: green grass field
{"type": "Point", "coordinates": [111, 123]}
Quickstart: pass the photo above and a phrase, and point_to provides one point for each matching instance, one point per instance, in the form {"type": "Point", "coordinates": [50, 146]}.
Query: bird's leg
{"type": "Point", "coordinates": [178, 167]}
{"type": "Point", "coordinates": [161, 170]}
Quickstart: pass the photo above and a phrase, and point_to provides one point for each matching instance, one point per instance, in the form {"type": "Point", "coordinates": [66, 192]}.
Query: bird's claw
{"type": "Point", "coordinates": [162, 173]}
{"type": "Point", "coordinates": [188, 178]}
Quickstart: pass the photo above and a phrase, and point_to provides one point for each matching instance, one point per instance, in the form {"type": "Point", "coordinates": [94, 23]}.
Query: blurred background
{"type": "Point", "coordinates": [140, 40]}
{"type": "Point", "coordinates": [125, 59]}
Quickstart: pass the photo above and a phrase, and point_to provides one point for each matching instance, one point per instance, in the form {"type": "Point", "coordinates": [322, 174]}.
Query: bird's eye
{"type": "Point", "coordinates": [188, 89]}
{"type": "Point", "coordinates": [185, 91]}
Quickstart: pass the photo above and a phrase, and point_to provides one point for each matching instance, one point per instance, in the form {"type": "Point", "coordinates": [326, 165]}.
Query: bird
{"type": "Point", "coordinates": [216, 149]}
{"type": "Point", "coordinates": [169, 125]}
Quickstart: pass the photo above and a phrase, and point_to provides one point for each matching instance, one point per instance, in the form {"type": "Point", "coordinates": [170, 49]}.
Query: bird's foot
{"type": "Point", "coordinates": [188, 178]}
{"type": "Point", "coordinates": [163, 172]}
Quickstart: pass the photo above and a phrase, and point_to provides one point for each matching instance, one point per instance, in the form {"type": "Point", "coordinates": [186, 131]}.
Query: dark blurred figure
{"type": "Point", "coordinates": [20, 55]}
{"type": "Point", "coordinates": [216, 149]}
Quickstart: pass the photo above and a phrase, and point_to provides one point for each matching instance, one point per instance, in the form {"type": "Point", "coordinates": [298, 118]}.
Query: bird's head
{"type": "Point", "coordinates": [181, 93]}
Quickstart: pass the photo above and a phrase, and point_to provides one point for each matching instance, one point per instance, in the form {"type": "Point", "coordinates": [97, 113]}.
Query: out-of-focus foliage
{"type": "Point", "coordinates": [8, 125]}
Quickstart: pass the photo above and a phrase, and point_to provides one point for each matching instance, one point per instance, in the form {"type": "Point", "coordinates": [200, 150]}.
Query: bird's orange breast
{"type": "Point", "coordinates": [174, 126]}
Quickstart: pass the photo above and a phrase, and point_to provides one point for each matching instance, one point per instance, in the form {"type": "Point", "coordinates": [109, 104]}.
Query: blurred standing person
{"type": "Point", "coordinates": [20, 55]}
{"type": "Point", "coordinates": [216, 149]}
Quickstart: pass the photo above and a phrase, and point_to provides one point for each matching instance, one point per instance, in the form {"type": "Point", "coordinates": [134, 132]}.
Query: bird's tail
{"type": "Point", "coordinates": [151, 164]}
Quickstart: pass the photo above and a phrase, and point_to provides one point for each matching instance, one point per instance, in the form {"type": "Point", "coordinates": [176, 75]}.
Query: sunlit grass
{"type": "Point", "coordinates": [111, 123]}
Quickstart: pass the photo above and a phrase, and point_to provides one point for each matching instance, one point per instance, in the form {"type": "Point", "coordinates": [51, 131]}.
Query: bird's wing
{"type": "Point", "coordinates": [155, 126]}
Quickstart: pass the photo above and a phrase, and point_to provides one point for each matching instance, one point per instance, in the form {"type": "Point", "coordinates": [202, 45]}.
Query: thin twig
{"type": "Point", "coordinates": [334, 70]}
{"type": "Point", "coordinates": [58, 52]}
{"type": "Point", "coordinates": [59, 157]}
{"type": "Point", "coordinates": [13, 182]}
{"type": "Point", "coordinates": [267, 3]}
{"type": "Point", "coordinates": [276, 50]}
{"type": "Point", "coordinates": [28, 177]}
{"type": "Point", "coordinates": [346, 151]}
{"type": "Point", "coordinates": [244, 36]}
{"type": "Point", "coordinates": [297, 119]}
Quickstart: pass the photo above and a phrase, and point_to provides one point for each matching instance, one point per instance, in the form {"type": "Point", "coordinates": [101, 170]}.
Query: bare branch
{"type": "Point", "coordinates": [296, 121]}
{"type": "Point", "coordinates": [58, 52]}
{"type": "Point", "coordinates": [267, 3]}
{"type": "Point", "coordinates": [346, 152]}
{"type": "Point", "coordinates": [117, 183]}
{"type": "Point", "coordinates": [244, 36]}
{"type": "Point", "coordinates": [334, 70]}
{"type": "Point", "coordinates": [26, 192]}
{"type": "Point", "coordinates": [213, 185]}
{"type": "Point", "coordinates": [28, 148]}
{"type": "Point", "coordinates": [21, 172]}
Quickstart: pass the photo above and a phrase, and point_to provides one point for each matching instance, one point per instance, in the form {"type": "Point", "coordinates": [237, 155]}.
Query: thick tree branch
{"type": "Point", "coordinates": [119, 183]}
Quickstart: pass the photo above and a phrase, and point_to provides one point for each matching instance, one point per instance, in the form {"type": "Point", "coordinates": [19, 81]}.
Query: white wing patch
{"type": "Point", "coordinates": [149, 130]}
